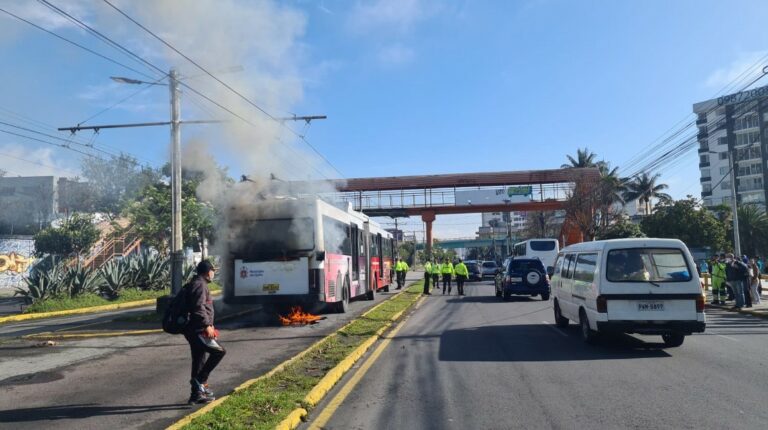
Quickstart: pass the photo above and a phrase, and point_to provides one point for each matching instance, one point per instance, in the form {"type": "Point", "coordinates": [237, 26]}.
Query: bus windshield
{"type": "Point", "coordinates": [275, 237]}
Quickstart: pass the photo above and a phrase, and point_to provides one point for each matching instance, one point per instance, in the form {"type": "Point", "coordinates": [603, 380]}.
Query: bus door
{"type": "Point", "coordinates": [355, 257]}
{"type": "Point", "coordinates": [380, 268]}
{"type": "Point", "coordinates": [368, 246]}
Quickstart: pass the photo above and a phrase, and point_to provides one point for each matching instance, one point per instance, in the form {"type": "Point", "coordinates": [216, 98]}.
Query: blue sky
{"type": "Point", "coordinates": [409, 86]}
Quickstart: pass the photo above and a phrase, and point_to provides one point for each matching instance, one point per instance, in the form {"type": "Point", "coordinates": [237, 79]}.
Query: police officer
{"type": "Point", "coordinates": [435, 274]}
{"type": "Point", "coordinates": [400, 269]}
{"type": "Point", "coordinates": [447, 270]}
{"type": "Point", "coordinates": [461, 275]}
{"type": "Point", "coordinates": [427, 276]}
{"type": "Point", "coordinates": [718, 280]}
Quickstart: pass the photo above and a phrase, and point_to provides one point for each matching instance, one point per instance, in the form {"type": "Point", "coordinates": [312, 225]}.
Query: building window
{"type": "Point", "coordinates": [704, 158]}
{"type": "Point", "coordinates": [723, 155]}
{"type": "Point", "coordinates": [705, 173]}
{"type": "Point", "coordinates": [706, 187]}
{"type": "Point", "coordinates": [746, 121]}
{"type": "Point", "coordinates": [747, 138]}
{"type": "Point", "coordinates": [722, 140]}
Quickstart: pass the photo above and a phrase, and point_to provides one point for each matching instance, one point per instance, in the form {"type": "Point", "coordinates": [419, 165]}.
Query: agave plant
{"type": "Point", "coordinates": [83, 281]}
{"type": "Point", "coordinates": [116, 275]}
{"type": "Point", "coordinates": [152, 271]}
{"type": "Point", "coordinates": [188, 274]}
{"type": "Point", "coordinates": [44, 281]}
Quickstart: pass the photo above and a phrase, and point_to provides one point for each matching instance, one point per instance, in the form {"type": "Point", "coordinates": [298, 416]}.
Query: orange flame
{"type": "Point", "coordinates": [299, 317]}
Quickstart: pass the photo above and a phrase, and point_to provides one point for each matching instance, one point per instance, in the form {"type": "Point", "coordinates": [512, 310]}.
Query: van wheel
{"type": "Point", "coordinates": [545, 297]}
{"type": "Point", "coordinates": [587, 334]}
{"type": "Point", "coordinates": [672, 340]}
{"type": "Point", "coordinates": [560, 320]}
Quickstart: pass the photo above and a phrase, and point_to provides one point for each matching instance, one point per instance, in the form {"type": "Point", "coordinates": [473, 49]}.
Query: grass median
{"type": "Point", "coordinates": [92, 300]}
{"type": "Point", "coordinates": [267, 402]}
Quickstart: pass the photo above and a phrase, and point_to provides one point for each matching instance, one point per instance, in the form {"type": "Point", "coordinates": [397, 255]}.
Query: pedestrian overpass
{"type": "Point", "coordinates": [459, 193]}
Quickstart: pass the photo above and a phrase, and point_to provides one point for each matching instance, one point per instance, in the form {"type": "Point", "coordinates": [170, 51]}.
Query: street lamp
{"type": "Point", "coordinates": [732, 175]}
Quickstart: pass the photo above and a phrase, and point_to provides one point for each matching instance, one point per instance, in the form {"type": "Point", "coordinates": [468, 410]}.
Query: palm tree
{"type": "Point", "coordinates": [584, 158]}
{"type": "Point", "coordinates": [753, 229]}
{"type": "Point", "coordinates": [643, 188]}
{"type": "Point", "coordinates": [612, 189]}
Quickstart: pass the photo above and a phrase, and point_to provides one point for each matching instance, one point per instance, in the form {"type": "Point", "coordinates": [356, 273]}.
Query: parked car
{"type": "Point", "coordinates": [489, 269]}
{"type": "Point", "coordinates": [523, 276]}
{"type": "Point", "coordinates": [647, 286]}
{"type": "Point", "coordinates": [475, 272]}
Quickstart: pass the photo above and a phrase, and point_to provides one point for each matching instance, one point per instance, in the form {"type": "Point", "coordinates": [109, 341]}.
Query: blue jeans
{"type": "Point", "coordinates": [738, 292]}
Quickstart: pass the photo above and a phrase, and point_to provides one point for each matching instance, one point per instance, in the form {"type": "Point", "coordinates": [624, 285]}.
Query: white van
{"type": "Point", "coordinates": [646, 286]}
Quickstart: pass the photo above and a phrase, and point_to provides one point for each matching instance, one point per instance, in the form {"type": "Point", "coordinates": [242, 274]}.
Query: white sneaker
{"type": "Point", "coordinates": [210, 342]}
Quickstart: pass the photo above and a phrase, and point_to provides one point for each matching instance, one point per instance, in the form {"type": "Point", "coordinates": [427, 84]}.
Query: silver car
{"type": "Point", "coordinates": [488, 269]}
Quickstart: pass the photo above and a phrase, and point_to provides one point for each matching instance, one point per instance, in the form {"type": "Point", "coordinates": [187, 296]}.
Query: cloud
{"type": "Point", "coordinates": [745, 68]}
{"type": "Point", "coordinates": [389, 15]}
{"type": "Point", "coordinates": [21, 160]}
{"type": "Point", "coordinates": [45, 17]}
{"type": "Point", "coordinates": [395, 55]}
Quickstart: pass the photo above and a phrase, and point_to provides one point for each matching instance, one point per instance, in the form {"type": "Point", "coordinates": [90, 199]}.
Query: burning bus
{"type": "Point", "coordinates": [305, 251]}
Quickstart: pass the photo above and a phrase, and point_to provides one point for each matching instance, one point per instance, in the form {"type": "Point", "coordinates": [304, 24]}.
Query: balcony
{"type": "Point", "coordinates": [701, 121]}
{"type": "Point", "coordinates": [703, 149]}
{"type": "Point", "coordinates": [706, 194]}
{"type": "Point", "coordinates": [702, 135]}
{"type": "Point", "coordinates": [705, 179]}
{"type": "Point", "coordinates": [706, 164]}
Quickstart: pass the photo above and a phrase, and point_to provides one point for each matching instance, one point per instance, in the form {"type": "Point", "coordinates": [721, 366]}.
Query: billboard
{"type": "Point", "coordinates": [517, 194]}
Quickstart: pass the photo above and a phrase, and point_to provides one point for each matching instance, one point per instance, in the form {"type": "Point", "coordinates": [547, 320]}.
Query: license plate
{"type": "Point", "coordinates": [515, 279]}
{"type": "Point", "coordinates": [650, 306]}
{"type": "Point", "coordinates": [271, 288]}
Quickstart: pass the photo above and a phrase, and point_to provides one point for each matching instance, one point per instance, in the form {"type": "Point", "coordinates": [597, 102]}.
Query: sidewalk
{"type": "Point", "coordinates": [760, 310]}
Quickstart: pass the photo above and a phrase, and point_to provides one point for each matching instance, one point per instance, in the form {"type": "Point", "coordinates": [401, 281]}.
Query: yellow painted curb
{"type": "Point", "coordinates": [293, 420]}
{"type": "Point", "coordinates": [83, 311]}
{"type": "Point", "coordinates": [299, 412]}
{"type": "Point", "coordinates": [48, 335]}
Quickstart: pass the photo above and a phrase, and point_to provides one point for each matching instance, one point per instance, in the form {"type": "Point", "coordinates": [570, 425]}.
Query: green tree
{"type": "Point", "coordinates": [753, 230]}
{"type": "Point", "coordinates": [584, 158]}
{"type": "Point", "coordinates": [644, 188]}
{"type": "Point", "coordinates": [116, 181]}
{"type": "Point", "coordinates": [75, 235]}
{"type": "Point", "coordinates": [621, 230]}
{"type": "Point", "coordinates": [150, 214]}
{"type": "Point", "coordinates": [686, 220]}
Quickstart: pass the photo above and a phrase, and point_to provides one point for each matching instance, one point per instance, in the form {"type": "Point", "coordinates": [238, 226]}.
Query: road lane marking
{"type": "Point", "coordinates": [728, 337]}
{"type": "Point", "coordinates": [557, 330]}
{"type": "Point", "coordinates": [333, 405]}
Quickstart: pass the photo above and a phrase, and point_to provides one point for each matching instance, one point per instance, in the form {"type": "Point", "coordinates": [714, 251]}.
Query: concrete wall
{"type": "Point", "coordinates": [16, 257]}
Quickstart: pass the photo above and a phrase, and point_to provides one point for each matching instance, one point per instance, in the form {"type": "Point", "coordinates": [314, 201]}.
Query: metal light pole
{"type": "Point", "coordinates": [177, 241]}
{"type": "Point", "coordinates": [734, 211]}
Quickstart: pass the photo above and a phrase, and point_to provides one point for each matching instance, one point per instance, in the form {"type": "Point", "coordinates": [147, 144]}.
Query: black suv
{"type": "Point", "coordinates": [523, 276]}
{"type": "Point", "coordinates": [475, 273]}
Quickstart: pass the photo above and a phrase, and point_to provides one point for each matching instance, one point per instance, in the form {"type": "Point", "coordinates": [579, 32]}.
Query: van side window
{"type": "Point", "coordinates": [558, 265]}
{"type": "Point", "coordinates": [585, 268]}
{"type": "Point", "coordinates": [568, 265]}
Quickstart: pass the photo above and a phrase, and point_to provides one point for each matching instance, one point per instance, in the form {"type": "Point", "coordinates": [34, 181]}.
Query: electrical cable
{"type": "Point", "coordinates": [51, 143]}
{"type": "Point", "coordinates": [121, 101]}
{"type": "Point", "coordinates": [55, 137]}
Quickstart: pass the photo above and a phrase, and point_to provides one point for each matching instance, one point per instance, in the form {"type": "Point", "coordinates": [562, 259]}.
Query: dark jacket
{"type": "Point", "coordinates": [200, 304]}
{"type": "Point", "coordinates": [736, 271]}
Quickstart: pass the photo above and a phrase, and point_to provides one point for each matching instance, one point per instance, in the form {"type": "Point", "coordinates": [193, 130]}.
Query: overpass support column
{"type": "Point", "coordinates": [428, 217]}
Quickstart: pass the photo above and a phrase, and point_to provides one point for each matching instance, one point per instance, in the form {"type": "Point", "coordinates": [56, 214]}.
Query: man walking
{"type": "Point", "coordinates": [200, 333]}
{"type": "Point", "coordinates": [461, 275]}
{"type": "Point", "coordinates": [427, 277]}
{"type": "Point", "coordinates": [718, 280]}
{"type": "Point", "coordinates": [447, 269]}
{"type": "Point", "coordinates": [735, 274]}
{"type": "Point", "coordinates": [435, 274]}
{"type": "Point", "coordinates": [400, 269]}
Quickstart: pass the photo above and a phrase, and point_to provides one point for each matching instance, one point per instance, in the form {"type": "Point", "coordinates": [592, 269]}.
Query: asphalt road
{"type": "Point", "coordinates": [133, 381]}
{"type": "Point", "coordinates": [475, 362]}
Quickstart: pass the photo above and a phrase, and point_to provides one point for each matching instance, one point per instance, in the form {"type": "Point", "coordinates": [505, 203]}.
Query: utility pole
{"type": "Point", "coordinates": [177, 241]}
{"type": "Point", "coordinates": [736, 236]}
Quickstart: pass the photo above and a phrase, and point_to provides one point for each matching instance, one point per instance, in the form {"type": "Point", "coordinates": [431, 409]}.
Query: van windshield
{"type": "Point", "coordinates": [647, 265]}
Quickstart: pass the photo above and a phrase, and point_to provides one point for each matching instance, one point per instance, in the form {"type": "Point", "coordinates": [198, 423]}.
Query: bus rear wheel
{"type": "Point", "coordinates": [343, 306]}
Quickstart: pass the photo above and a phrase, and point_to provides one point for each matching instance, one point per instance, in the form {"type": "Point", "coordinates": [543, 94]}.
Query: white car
{"type": "Point", "coordinates": [646, 286]}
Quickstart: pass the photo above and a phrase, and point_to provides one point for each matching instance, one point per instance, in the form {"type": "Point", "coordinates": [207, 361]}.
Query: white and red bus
{"type": "Point", "coordinates": [305, 251]}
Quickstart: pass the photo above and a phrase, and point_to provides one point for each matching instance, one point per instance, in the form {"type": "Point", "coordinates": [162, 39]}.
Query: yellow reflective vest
{"type": "Point", "coordinates": [401, 266]}
{"type": "Point", "coordinates": [427, 267]}
{"type": "Point", "coordinates": [461, 269]}
{"type": "Point", "coordinates": [435, 269]}
{"type": "Point", "coordinates": [447, 268]}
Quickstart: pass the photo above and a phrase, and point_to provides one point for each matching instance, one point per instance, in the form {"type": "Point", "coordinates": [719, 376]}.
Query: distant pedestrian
{"type": "Point", "coordinates": [435, 273]}
{"type": "Point", "coordinates": [754, 283]}
{"type": "Point", "coordinates": [401, 268]}
{"type": "Point", "coordinates": [719, 293]}
{"type": "Point", "coordinates": [747, 282]}
{"type": "Point", "coordinates": [447, 270]}
{"type": "Point", "coordinates": [761, 264]}
{"type": "Point", "coordinates": [736, 272]}
{"type": "Point", "coordinates": [462, 273]}
{"type": "Point", "coordinates": [427, 277]}
{"type": "Point", "coordinates": [201, 334]}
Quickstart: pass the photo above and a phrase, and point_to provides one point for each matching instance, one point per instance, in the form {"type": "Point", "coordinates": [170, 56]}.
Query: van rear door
{"type": "Point", "coordinates": [650, 284]}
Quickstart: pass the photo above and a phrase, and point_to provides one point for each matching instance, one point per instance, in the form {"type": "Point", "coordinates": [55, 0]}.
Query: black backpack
{"type": "Point", "coordinates": [176, 315]}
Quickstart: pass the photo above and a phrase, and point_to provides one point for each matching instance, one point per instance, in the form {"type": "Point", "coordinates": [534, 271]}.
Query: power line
{"type": "Point", "coordinates": [55, 137]}
{"type": "Point", "coordinates": [51, 143]}
{"type": "Point", "coordinates": [204, 70]}
{"type": "Point", "coordinates": [75, 44]}
{"type": "Point", "coordinates": [28, 161]}
{"type": "Point", "coordinates": [121, 101]}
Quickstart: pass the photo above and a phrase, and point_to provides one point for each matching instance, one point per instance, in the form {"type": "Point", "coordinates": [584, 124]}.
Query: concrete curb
{"type": "Point", "coordinates": [89, 335]}
{"type": "Point", "coordinates": [334, 375]}
{"type": "Point", "coordinates": [294, 418]}
{"type": "Point", "coordinates": [83, 311]}
{"type": "Point", "coordinates": [740, 311]}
